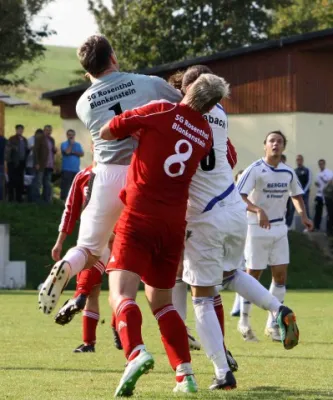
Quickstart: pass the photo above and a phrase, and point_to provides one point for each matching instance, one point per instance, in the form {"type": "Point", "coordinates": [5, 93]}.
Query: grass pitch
{"type": "Point", "coordinates": [37, 362]}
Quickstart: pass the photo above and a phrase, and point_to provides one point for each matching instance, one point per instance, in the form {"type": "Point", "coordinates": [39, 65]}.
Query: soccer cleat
{"type": "Point", "coordinates": [231, 362]}
{"type": "Point", "coordinates": [288, 328]}
{"type": "Point", "coordinates": [187, 385]}
{"type": "Point", "coordinates": [116, 339]}
{"type": "Point", "coordinates": [85, 348]}
{"type": "Point", "coordinates": [69, 309]}
{"type": "Point", "coordinates": [134, 370]}
{"type": "Point", "coordinates": [192, 342]}
{"type": "Point", "coordinates": [273, 332]}
{"type": "Point", "coordinates": [247, 333]}
{"type": "Point", "coordinates": [53, 286]}
{"type": "Point", "coordinates": [226, 383]}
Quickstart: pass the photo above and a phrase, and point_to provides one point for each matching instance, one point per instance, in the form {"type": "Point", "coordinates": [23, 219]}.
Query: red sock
{"type": "Point", "coordinates": [88, 278]}
{"type": "Point", "coordinates": [174, 335]}
{"type": "Point", "coordinates": [89, 322]}
{"type": "Point", "coordinates": [219, 311]}
{"type": "Point", "coordinates": [113, 320]}
{"type": "Point", "coordinates": [129, 321]}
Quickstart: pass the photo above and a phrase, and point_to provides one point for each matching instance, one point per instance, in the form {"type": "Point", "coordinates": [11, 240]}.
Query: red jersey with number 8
{"type": "Point", "coordinates": [173, 139]}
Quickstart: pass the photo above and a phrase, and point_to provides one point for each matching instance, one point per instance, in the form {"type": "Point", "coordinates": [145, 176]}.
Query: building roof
{"type": "Point", "coordinates": [12, 101]}
{"type": "Point", "coordinates": [160, 69]}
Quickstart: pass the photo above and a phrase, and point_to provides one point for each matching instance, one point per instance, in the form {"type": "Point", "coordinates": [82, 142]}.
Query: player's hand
{"type": "Point", "coordinates": [56, 252]}
{"type": "Point", "coordinates": [307, 223]}
{"type": "Point", "coordinates": [37, 167]}
{"type": "Point", "coordinates": [263, 219]}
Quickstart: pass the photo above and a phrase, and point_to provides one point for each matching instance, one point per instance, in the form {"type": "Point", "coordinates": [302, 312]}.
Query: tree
{"type": "Point", "coordinates": [150, 32]}
{"type": "Point", "coordinates": [303, 16]}
{"type": "Point", "coordinates": [19, 42]}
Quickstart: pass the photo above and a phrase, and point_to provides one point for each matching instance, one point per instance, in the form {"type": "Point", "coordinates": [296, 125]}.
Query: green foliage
{"type": "Point", "coordinates": [303, 16]}
{"type": "Point", "coordinates": [19, 43]}
{"type": "Point", "coordinates": [147, 32]}
{"type": "Point", "coordinates": [37, 362]}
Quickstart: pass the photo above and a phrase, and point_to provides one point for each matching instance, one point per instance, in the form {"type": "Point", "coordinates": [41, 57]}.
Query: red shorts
{"type": "Point", "coordinates": [148, 246]}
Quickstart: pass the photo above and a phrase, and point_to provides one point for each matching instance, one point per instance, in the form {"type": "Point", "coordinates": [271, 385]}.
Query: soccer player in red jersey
{"type": "Point", "coordinates": [150, 232]}
{"type": "Point", "coordinates": [89, 280]}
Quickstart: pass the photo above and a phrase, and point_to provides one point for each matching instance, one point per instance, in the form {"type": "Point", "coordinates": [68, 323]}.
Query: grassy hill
{"type": "Point", "coordinates": [55, 71]}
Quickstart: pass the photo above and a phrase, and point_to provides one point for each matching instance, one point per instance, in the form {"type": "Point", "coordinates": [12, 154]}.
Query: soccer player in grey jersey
{"type": "Point", "coordinates": [110, 93]}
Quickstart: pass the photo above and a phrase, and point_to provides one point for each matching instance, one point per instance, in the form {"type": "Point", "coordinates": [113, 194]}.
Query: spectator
{"type": "Point", "coordinates": [16, 156]}
{"type": "Point", "coordinates": [29, 166]}
{"type": "Point", "coordinates": [289, 216]}
{"type": "Point", "coordinates": [71, 152]}
{"type": "Point", "coordinates": [3, 142]}
{"type": "Point", "coordinates": [323, 178]}
{"type": "Point", "coordinates": [305, 178]}
{"type": "Point", "coordinates": [38, 163]}
{"type": "Point", "coordinates": [48, 170]}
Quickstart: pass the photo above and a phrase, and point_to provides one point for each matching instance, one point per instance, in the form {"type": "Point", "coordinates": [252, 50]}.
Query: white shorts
{"type": "Point", "coordinates": [215, 243]}
{"type": "Point", "coordinates": [266, 246]}
{"type": "Point", "coordinates": [103, 209]}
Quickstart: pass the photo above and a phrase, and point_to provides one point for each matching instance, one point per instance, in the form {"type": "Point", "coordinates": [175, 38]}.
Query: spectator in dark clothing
{"type": "Point", "coordinates": [16, 155]}
{"type": "Point", "coordinates": [38, 157]}
{"type": "Point", "coordinates": [3, 142]}
{"type": "Point", "coordinates": [324, 179]}
{"type": "Point", "coordinates": [289, 202]}
{"type": "Point", "coordinates": [305, 178]}
{"type": "Point", "coordinates": [48, 170]}
{"type": "Point", "coordinates": [71, 152]}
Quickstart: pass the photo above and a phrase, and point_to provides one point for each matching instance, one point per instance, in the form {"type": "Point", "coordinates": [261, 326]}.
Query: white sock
{"type": "Point", "coordinates": [236, 305]}
{"type": "Point", "coordinates": [253, 292]}
{"type": "Point", "coordinates": [279, 292]}
{"type": "Point", "coordinates": [245, 309]}
{"type": "Point", "coordinates": [210, 334]}
{"type": "Point", "coordinates": [179, 298]}
{"type": "Point", "coordinates": [77, 258]}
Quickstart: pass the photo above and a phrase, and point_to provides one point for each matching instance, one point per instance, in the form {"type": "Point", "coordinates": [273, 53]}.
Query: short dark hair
{"type": "Point", "coordinates": [48, 126]}
{"type": "Point", "coordinates": [277, 133]}
{"type": "Point", "coordinates": [193, 73]}
{"type": "Point", "coordinates": [70, 130]}
{"type": "Point", "coordinates": [19, 126]}
{"type": "Point", "coordinates": [176, 79]}
{"type": "Point", "coordinates": [94, 54]}
{"type": "Point", "coordinates": [322, 160]}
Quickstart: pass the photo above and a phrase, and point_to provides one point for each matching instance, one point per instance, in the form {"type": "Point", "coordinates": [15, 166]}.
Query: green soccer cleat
{"type": "Point", "coordinates": [187, 385]}
{"type": "Point", "coordinates": [134, 370]}
{"type": "Point", "coordinates": [288, 328]}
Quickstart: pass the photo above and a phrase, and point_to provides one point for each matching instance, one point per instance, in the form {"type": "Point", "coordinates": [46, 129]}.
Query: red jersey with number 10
{"type": "Point", "coordinates": [173, 140]}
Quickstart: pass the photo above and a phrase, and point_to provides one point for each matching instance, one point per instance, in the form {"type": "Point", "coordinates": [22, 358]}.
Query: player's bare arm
{"type": "Point", "coordinates": [300, 208]}
{"type": "Point", "coordinates": [57, 248]}
{"type": "Point", "coordinates": [105, 132]}
{"type": "Point", "coordinates": [261, 215]}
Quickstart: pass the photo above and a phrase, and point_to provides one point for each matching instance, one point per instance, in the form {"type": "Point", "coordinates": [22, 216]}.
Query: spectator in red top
{"type": "Point", "coordinates": [150, 232]}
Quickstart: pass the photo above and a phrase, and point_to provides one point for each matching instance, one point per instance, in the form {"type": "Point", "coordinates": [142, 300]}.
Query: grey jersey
{"type": "Point", "coordinates": [111, 95]}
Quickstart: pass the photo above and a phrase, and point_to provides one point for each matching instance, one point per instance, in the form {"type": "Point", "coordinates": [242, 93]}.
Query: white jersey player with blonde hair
{"type": "Point", "coordinates": [266, 186]}
{"type": "Point", "coordinates": [214, 246]}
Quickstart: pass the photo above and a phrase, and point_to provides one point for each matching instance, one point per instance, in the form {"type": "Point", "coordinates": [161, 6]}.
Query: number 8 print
{"type": "Point", "coordinates": [178, 158]}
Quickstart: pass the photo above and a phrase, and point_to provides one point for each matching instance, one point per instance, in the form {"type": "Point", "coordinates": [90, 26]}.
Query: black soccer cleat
{"type": "Point", "coordinates": [226, 383]}
{"type": "Point", "coordinates": [85, 348]}
{"type": "Point", "coordinates": [233, 365]}
{"type": "Point", "coordinates": [69, 309]}
{"type": "Point", "coordinates": [116, 339]}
